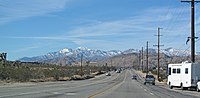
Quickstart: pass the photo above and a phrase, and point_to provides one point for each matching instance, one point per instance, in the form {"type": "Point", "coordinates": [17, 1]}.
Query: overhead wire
{"type": "Point", "coordinates": [170, 26]}
{"type": "Point", "coordinates": [177, 12]}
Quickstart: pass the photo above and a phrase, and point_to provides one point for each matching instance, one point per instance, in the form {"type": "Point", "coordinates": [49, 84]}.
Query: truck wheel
{"type": "Point", "coordinates": [182, 88]}
{"type": "Point", "coordinates": [170, 86]}
{"type": "Point", "coordinates": [197, 89]}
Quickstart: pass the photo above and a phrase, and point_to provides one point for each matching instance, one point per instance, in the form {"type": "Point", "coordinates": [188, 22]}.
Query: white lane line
{"type": "Point", "coordinates": [151, 93]}
{"type": "Point", "coordinates": [71, 94]}
{"type": "Point", "coordinates": [112, 87]}
{"type": "Point", "coordinates": [51, 90]}
{"type": "Point", "coordinates": [20, 94]}
{"type": "Point", "coordinates": [56, 93]}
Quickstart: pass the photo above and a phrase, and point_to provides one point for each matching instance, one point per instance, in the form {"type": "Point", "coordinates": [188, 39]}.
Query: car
{"type": "Point", "coordinates": [149, 79]}
{"type": "Point", "coordinates": [108, 74]}
{"type": "Point", "coordinates": [198, 86]}
{"type": "Point", "coordinates": [134, 77]}
{"type": "Point", "coordinates": [118, 71]}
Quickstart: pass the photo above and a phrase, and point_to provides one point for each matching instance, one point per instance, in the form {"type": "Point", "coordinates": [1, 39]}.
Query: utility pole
{"type": "Point", "coordinates": [111, 63]}
{"type": "Point", "coordinates": [81, 64]}
{"type": "Point", "coordinates": [142, 58]}
{"type": "Point", "coordinates": [158, 45]}
{"type": "Point", "coordinates": [147, 69]}
{"type": "Point", "coordinates": [192, 29]}
{"type": "Point", "coordinates": [139, 60]}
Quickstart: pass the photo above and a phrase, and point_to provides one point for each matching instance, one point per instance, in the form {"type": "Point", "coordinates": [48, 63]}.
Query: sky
{"type": "Point", "coordinates": [35, 27]}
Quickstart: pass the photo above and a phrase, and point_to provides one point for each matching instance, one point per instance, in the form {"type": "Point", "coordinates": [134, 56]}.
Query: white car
{"type": "Point", "coordinates": [108, 74]}
{"type": "Point", "coordinates": [198, 86]}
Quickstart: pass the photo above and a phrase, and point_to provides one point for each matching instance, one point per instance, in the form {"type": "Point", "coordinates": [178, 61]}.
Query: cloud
{"type": "Point", "coordinates": [40, 38]}
{"type": "Point", "coordinates": [27, 48]}
{"type": "Point", "coordinates": [11, 11]}
{"type": "Point", "coordinates": [174, 21]}
{"type": "Point", "coordinates": [147, 21]}
{"type": "Point", "coordinates": [140, 27]}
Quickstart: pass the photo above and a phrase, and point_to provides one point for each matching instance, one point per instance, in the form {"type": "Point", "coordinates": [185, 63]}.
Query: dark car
{"type": "Point", "coordinates": [134, 77]}
{"type": "Point", "coordinates": [149, 79]}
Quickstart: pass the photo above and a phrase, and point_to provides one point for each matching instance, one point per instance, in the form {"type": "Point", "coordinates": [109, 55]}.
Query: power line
{"type": "Point", "coordinates": [175, 14]}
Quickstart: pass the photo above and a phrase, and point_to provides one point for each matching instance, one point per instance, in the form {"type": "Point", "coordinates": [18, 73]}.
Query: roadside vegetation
{"type": "Point", "coordinates": [40, 72]}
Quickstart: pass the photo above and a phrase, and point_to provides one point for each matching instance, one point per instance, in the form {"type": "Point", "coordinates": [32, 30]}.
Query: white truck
{"type": "Point", "coordinates": [184, 75]}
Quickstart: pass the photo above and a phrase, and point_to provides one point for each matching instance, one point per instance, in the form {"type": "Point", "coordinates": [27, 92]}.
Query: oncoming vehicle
{"type": "Point", "coordinates": [108, 74]}
{"type": "Point", "coordinates": [118, 71]}
{"type": "Point", "coordinates": [149, 79]}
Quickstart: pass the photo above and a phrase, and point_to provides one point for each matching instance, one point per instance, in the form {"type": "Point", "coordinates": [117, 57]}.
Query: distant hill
{"type": "Point", "coordinates": [69, 56]}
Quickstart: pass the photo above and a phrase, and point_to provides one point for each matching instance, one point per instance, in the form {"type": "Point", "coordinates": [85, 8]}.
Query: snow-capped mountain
{"type": "Point", "coordinates": [68, 56]}
{"type": "Point", "coordinates": [131, 51]}
{"type": "Point", "coordinates": [175, 52]}
{"type": "Point", "coordinates": [88, 54]}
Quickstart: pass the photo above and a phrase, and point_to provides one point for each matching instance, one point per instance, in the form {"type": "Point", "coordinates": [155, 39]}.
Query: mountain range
{"type": "Point", "coordinates": [70, 56]}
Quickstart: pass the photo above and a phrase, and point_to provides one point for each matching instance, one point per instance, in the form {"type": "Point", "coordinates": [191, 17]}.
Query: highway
{"type": "Point", "coordinates": [118, 85]}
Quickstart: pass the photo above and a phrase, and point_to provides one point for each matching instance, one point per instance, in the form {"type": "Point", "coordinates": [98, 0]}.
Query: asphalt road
{"type": "Point", "coordinates": [118, 85]}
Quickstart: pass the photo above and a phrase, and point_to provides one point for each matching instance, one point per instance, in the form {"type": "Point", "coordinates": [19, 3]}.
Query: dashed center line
{"type": "Point", "coordinates": [148, 91]}
{"type": "Point", "coordinates": [71, 94]}
{"type": "Point", "coordinates": [56, 93]}
{"type": "Point", "coordinates": [151, 93]}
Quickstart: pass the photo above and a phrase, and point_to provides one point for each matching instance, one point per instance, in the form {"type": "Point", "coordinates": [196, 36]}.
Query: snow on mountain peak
{"type": "Point", "coordinates": [83, 48]}
{"type": "Point", "coordinates": [65, 50]}
{"type": "Point", "coordinates": [170, 49]}
{"type": "Point", "coordinates": [172, 52]}
{"type": "Point", "coordinates": [92, 54]}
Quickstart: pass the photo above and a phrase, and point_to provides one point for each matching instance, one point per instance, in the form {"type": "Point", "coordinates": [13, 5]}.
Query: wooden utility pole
{"type": "Point", "coordinates": [139, 60]}
{"type": "Point", "coordinates": [147, 54]}
{"type": "Point", "coordinates": [158, 45]}
{"type": "Point", "coordinates": [111, 62]}
{"type": "Point", "coordinates": [142, 58]}
{"type": "Point", "coordinates": [192, 29]}
{"type": "Point", "coordinates": [81, 64]}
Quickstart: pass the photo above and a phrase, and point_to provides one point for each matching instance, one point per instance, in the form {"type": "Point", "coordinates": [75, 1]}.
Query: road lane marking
{"type": "Point", "coordinates": [140, 86]}
{"type": "Point", "coordinates": [104, 90]}
{"type": "Point", "coordinates": [44, 91]}
{"type": "Point", "coordinates": [51, 90]}
{"type": "Point", "coordinates": [72, 94]}
{"type": "Point", "coordinates": [20, 94]}
{"type": "Point", "coordinates": [56, 93]}
{"type": "Point", "coordinates": [112, 86]}
{"type": "Point", "coordinates": [151, 93]}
